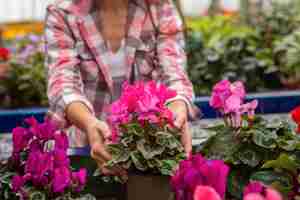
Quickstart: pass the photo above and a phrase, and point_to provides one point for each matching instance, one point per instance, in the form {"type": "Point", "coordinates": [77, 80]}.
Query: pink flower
{"type": "Point", "coordinates": [206, 193]}
{"type": "Point", "coordinates": [142, 102]}
{"type": "Point", "coordinates": [221, 92]}
{"type": "Point", "coordinates": [21, 138]}
{"type": "Point", "coordinates": [237, 88]}
{"type": "Point", "coordinates": [39, 164]}
{"type": "Point", "coordinates": [17, 183]}
{"type": "Point", "coordinates": [61, 179]}
{"type": "Point", "coordinates": [61, 141]}
{"type": "Point", "coordinates": [197, 171]}
{"type": "Point", "coordinates": [257, 191]}
{"type": "Point", "coordinates": [61, 158]}
{"type": "Point", "coordinates": [232, 104]}
{"type": "Point", "coordinates": [79, 179]}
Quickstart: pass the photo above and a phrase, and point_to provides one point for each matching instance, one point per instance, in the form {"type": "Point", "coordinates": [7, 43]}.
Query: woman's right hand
{"type": "Point", "coordinates": [98, 133]}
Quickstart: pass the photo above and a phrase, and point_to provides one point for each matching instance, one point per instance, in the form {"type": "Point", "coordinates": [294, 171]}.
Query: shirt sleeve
{"type": "Point", "coordinates": [172, 56]}
{"type": "Point", "coordinates": [62, 65]}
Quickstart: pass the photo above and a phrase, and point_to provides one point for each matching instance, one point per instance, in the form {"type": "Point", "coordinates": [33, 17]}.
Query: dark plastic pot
{"type": "Point", "coordinates": [148, 187]}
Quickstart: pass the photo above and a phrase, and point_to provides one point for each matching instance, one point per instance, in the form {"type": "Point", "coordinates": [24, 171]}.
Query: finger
{"type": "Point", "coordinates": [186, 140]}
{"type": "Point", "coordinates": [104, 129]}
{"type": "Point", "coordinates": [180, 120]}
{"type": "Point", "coordinates": [99, 151]}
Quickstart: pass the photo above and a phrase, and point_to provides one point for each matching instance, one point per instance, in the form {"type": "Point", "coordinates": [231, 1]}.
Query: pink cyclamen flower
{"type": "Point", "coordinates": [238, 89]}
{"type": "Point", "coordinates": [232, 104]}
{"type": "Point", "coordinates": [220, 93]}
{"type": "Point", "coordinates": [61, 179]}
{"type": "Point", "coordinates": [21, 138]}
{"type": "Point", "coordinates": [39, 164]}
{"type": "Point", "coordinates": [79, 179]}
{"type": "Point", "coordinates": [270, 194]}
{"type": "Point", "coordinates": [17, 183]}
{"type": "Point", "coordinates": [206, 193]}
{"type": "Point", "coordinates": [257, 191]}
{"type": "Point", "coordinates": [197, 171]}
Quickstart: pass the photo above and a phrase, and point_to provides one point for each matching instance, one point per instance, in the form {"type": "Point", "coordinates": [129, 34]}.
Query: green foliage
{"type": "Point", "coordinates": [25, 84]}
{"type": "Point", "coordinates": [148, 149]}
{"type": "Point", "coordinates": [219, 48]}
{"type": "Point", "coordinates": [288, 51]}
{"type": "Point", "coordinates": [265, 151]}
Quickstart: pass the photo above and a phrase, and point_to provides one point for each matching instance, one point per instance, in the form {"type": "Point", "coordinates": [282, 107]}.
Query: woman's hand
{"type": "Point", "coordinates": [180, 110]}
{"type": "Point", "coordinates": [98, 132]}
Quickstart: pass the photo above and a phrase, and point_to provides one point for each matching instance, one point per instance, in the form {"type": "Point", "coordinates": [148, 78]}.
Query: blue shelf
{"type": "Point", "coordinates": [275, 102]}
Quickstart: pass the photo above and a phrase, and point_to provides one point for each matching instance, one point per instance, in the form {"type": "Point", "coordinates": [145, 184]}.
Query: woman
{"type": "Point", "coordinates": [95, 45]}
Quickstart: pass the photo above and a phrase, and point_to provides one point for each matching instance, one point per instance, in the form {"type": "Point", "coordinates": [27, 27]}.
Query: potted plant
{"type": "Point", "coordinates": [4, 57]}
{"type": "Point", "coordinates": [255, 149]}
{"type": "Point", "coordinates": [26, 74]}
{"type": "Point", "coordinates": [39, 167]}
{"type": "Point", "coordinates": [145, 141]}
{"type": "Point", "coordinates": [288, 50]}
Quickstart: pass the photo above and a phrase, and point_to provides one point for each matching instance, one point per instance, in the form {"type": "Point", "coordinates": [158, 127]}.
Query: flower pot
{"type": "Point", "coordinates": [148, 187]}
{"type": "Point", "coordinates": [291, 83]}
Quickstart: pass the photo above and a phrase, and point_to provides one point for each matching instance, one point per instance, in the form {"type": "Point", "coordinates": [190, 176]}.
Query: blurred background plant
{"type": "Point", "coordinates": [223, 48]}
{"type": "Point", "coordinates": [25, 83]}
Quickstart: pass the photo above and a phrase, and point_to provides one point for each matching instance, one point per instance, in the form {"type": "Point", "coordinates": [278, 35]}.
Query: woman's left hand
{"type": "Point", "coordinates": [180, 110]}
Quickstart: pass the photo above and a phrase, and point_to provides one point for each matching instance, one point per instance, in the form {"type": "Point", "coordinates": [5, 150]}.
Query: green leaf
{"type": "Point", "coordinates": [149, 151]}
{"type": "Point", "coordinates": [127, 140]}
{"type": "Point", "coordinates": [264, 138]}
{"type": "Point", "coordinates": [119, 153]}
{"type": "Point", "coordinates": [37, 195]}
{"type": "Point", "coordinates": [284, 162]}
{"type": "Point", "coordinates": [134, 129]}
{"type": "Point", "coordinates": [249, 157]}
{"type": "Point", "coordinates": [138, 160]}
{"type": "Point", "coordinates": [281, 181]}
{"type": "Point", "coordinates": [237, 180]}
{"type": "Point", "coordinates": [167, 167]}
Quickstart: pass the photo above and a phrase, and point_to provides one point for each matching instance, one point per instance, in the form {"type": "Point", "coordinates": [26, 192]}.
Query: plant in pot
{"type": "Point", "coordinates": [255, 149]}
{"type": "Point", "coordinates": [198, 178]}
{"type": "Point", "coordinates": [26, 75]}
{"type": "Point", "coordinates": [39, 168]}
{"type": "Point", "coordinates": [145, 141]}
{"type": "Point", "coordinates": [4, 57]}
{"type": "Point", "coordinates": [287, 51]}
{"type": "Point", "coordinates": [232, 52]}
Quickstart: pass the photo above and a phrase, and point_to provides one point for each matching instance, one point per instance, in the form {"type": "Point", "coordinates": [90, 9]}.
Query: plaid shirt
{"type": "Point", "coordinates": [78, 62]}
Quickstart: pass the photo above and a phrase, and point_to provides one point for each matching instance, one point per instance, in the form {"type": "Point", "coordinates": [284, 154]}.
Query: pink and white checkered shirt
{"type": "Point", "coordinates": [78, 64]}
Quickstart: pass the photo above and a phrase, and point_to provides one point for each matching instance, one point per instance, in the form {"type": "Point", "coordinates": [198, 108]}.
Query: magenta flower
{"type": "Point", "coordinates": [228, 99]}
{"type": "Point", "coordinates": [79, 179]}
{"type": "Point", "coordinates": [39, 165]}
{"type": "Point", "coordinates": [61, 158]}
{"type": "Point", "coordinates": [17, 183]}
{"type": "Point", "coordinates": [220, 93]}
{"type": "Point", "coordinates": [207, 193]}
{"type": "Point", "coordinates": [142, 102]}
{"type": "Point", "coordinates": [61, 141]}
{"type": "Point", "coordinates": [232, 104]}
{"type": "Point", "coordinates": [21, 138]}
{"type": "Point", "coordinates": [197, 171]}
{"type": "Point", "coordinates": [45, 168]}
{"type": "Point", "coordinates": [238, 89]}
{"type": "Point", "coordinates": [61, 179]}
{"type": "Point", "coordinates": [43, 131]}
{"type": "Point", "coordinates": [257, 191]}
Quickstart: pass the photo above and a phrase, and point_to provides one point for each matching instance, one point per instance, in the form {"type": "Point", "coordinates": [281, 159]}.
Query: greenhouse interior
{"type": "Point", "coordinates": [150, 100]}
